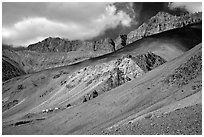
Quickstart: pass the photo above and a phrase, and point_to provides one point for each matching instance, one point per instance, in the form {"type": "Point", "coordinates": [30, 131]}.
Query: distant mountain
{"type": "Point", "coordinates": [62, 45]}
{"type": "Point", "coordinates": [161, 22]}
{"type": "Point", "coordinates": [55, 52]}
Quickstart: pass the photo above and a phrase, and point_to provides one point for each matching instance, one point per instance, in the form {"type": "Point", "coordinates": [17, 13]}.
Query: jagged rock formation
{"type": "Point", "coordinates": [164, 21]}
{"type": "Point", "coordinates": [182, 81]}
{"type": "Point", "coordinates": [148, 61]}
{"type": "Point", "coordinates": [161, 22]}
{"type": "Point", "coordinates": [110, 75]}
{"type": "Point", "coordinates": [104, 45]}
{"type": "Point", "coordinates": [54, 45]}
{"type": "Point", "coordinates": [120, 41]}
{"type": "Point", "coordinates": [137, 34]}
{"type": "Point", "coordinates": [63, 45]}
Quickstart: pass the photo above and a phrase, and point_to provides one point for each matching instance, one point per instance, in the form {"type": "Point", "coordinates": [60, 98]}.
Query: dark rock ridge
{"type": "Point", "coordinates": [55, 45]}
{"type": "Point", "coordinates": [10, 69]}
{"type": "Point", "coordinates": [64, 45]}
{"type": "Point", "coordinates": [161, 22]}
{"type": "Point", "coordinates": [120, 41]}
{"type": "Point", "coordinates": [148, 61]}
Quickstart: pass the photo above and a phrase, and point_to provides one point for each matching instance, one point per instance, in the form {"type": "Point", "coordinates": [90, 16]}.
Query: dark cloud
{"type": "Point", "coordinates": [145, 10]}
{"type": "Point", "coordinates": [114, 32]}
{"type": "Point", "coordinates": [190, 7]}
{"type": "Point", "coordinates": [142, 12]}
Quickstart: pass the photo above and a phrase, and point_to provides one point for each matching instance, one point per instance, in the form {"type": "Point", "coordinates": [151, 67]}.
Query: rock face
{"type": "Point", "coordinates": [106, 44]}
{"type": "Point", "coordinates": [186, 72]}
{"type": "Point", "coordinates": [161, 22]}
{"type": "Point", "coordinates": [10, 69]}
{"type": "Point", "coordinates": [164, 21]}
{"type": "Point", "coordinates": [55, 45]}
{"type": "Point", "coordinates": [120, 41]}
{"type": "Point", "coordinates": [63, 45]}
{"type": "Point", "coordinates": [112, 74]}
{"type": "Point", "coordinates": [137, 34]}
{"type": "Point", "coordinates": [148, 61]}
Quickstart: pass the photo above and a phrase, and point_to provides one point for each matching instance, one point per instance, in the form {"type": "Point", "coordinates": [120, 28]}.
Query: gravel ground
{"type": "Point", "coordinates": [185, 121]}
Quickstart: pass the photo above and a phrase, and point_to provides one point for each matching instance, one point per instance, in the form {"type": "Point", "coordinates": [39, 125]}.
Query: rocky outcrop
{"type": "Point", "coordinates": [10, 69]}
{"type": "Point", "coordinates": [112, 74]}
{"type": "Point", "coordinates": [186, 72]}
{"type": "Point", "coordinates": [106, 44]}
{"type": "Point", "coordinates": [117, 78]}
{"type": "Point", "coordinates": [120, 41]}
{"type": "Point", "coordinates": [63, 45]}
{"type": "Point", "coordinates": [31, 61]}
{"type": "Point", "coordinates": [148, 61]}
{"type": "Point", "coordinates": [90, 96]}
{"type": "Point", "coordinates": [161, 22]}
{"type": "Point", "coordinates": [137, 34]}
{"type": "Point", "coordinates": [55, 45]}
{"type": "Point", "coordinates": [164, 21]}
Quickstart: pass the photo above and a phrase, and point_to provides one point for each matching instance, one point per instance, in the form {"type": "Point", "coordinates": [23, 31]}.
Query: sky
{"type": "Point", "coordinates": [26, 23]}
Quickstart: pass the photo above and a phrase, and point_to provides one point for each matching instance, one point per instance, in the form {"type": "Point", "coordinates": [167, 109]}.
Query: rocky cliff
{"type": "Point", "coordinates": [161, 22]}
{"type": "Point", "coordinates": [107, 76]}
{"type": "Point", "coordinates": [63, 45]}
{"type": "Point", "coordinates": [10, 69]}
{"type": "Point", "coordinates": [148, 61]}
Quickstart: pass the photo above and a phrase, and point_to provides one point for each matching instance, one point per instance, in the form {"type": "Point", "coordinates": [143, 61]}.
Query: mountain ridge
{"type": "Point", "coordinates": [162, 21]}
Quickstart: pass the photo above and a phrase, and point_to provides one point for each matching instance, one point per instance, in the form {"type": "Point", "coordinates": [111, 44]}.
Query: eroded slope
{"type": "Point", "coordinates": [159, 91]}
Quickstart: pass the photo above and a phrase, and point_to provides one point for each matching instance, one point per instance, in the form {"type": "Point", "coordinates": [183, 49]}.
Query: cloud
{"type": "Point", "coordinates": [72, 20]}
{"type": "Point", "coordinates": [191, 7]}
